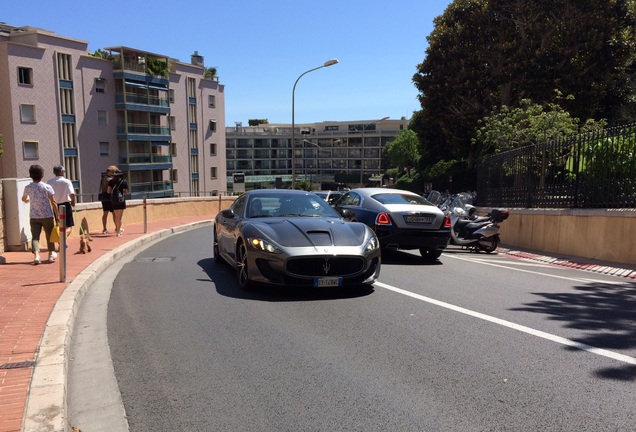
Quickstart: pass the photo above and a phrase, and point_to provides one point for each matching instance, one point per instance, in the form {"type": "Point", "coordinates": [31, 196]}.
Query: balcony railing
{"type": "Point", "coordinates": [138, 99]}
{"type": "Point", "coordinates": [147, 129]}
{"type": "Point", "coordinates": [137, 158]}
{"type": "Point", "coordinates": [158, 186]}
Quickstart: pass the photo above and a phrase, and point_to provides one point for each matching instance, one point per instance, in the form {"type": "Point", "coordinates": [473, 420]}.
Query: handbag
{"type": "Point", "coordinates": [55, 234]}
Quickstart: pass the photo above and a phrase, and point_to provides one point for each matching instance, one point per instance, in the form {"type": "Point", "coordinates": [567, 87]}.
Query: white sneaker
{"type": "Point", "coordinates": [52, 256]}
{"type": "Point", "coordinates": [36, 260]}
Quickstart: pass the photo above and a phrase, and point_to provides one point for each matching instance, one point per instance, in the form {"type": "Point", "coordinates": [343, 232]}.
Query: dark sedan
{"type": "Point", "coordinates": [401, 219]}
{"type": "Point", "coordinates": [294, 238]}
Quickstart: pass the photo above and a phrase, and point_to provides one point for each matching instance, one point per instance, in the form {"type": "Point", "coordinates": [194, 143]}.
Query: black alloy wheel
{"type": "Point", "coordinates": [242, 270]}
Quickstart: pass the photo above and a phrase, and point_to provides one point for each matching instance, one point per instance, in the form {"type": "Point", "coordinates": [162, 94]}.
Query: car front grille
{"type": "Point", "coordinates": [325, 266]}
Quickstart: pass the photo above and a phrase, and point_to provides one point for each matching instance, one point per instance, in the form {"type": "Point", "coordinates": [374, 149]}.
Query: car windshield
{"type": "Point", "coordinates": [280, 204]}
{"type": "Point", "coordinates": [398, 198]}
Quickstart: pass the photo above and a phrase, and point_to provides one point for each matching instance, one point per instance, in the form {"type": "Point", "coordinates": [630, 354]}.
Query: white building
{"type": "Point", "coordinates": [347, 152]}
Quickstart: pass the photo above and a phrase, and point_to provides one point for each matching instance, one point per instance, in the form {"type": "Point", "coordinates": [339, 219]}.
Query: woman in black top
{"type": "Point", "coordinates": [117, 188]}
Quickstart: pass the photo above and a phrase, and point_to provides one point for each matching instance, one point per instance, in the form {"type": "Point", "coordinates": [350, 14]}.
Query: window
{"type": "Point", "coordinates": [174, 175]}
{"type": "Point", "coordinates": [171, 95]}
{"type": "Point", "coordinates": [213, 125]}
{"type": "Point", "coordinates": [102, 118]}
{"type": "Point", "coordinates": [104, 148]}
{"type": "Point", "coordinates": [27, 113]}
{"type": "Point", "coordinates": [30, 149]}
{"type": "Point", "coordinates": [212, 101]}
{"type": "Point", "coordinates": [25, 75]}
{"type": "Point", "coordinates": [213, 149]}
{"type": "Point", "coordinates": [100, 85]}
{"type": "Point", "coordinates": [173, 149]}
{"type": "Point", "coordinates": [172, 123]}
{"type": "Point", "coordinates": [213, 172]}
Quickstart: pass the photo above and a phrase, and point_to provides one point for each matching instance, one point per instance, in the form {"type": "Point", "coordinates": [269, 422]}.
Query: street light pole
{"type": "Point", "coordinates": [362, 151]}
{"type": "Point", "coordinates": [316, 159]}
{"type": "Point", "coordinates": [293, 160]}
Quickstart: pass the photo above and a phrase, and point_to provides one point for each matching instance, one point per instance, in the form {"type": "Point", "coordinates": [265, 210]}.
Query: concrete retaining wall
{"type": "Point", "coordinates": [602, 234]}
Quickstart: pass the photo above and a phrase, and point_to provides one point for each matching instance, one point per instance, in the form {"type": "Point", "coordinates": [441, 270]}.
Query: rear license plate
{"type": "Point", "coordinates": [327, 282]}
{"type": "Point", "coordinates": [418, 219]}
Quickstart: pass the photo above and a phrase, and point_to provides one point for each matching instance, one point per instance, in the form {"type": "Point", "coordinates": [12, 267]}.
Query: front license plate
{"type": "Point", "coordinates": [327, 282]}
{"type": "Point", "coordinates": [418, 219]}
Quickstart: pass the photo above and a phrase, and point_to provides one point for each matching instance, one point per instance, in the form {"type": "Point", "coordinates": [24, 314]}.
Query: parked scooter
{"type": "Point", "coordinates": [472, 232]}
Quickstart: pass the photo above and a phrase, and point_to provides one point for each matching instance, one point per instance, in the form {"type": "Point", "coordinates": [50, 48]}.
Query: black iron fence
{"type": "Point", "coordinates": [595, 170]}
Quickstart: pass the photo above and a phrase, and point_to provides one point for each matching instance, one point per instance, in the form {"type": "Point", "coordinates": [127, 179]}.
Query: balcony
{"type": "Point", "coordinates": [162, 188]}
{"type": "Point", "coordinates": [142, 102]}
{"type": "Point", "coordinates": [143, 132]}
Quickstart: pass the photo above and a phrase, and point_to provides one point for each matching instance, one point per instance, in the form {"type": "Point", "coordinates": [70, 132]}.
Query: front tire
{"type": "Point", "coordinates": [215, 249]}
{"type": "Point", "coordinates": [430, 255]}
{"type": "Point", "coordinates": [242, 270]}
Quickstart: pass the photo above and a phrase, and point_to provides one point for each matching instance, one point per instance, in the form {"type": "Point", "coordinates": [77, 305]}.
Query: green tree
{"type": "Point", "coordinates": [403, 151]}
{"type": "Point", "coordinates": [210, 73]}
{"type": "Point", "coordinates": [484, 54]}
{"type": "Point", "coordinates": [509, 128]}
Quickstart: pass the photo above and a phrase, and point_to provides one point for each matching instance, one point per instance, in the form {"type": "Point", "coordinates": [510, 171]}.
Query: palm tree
{"type": "Point", "coordinates": [210, 73]}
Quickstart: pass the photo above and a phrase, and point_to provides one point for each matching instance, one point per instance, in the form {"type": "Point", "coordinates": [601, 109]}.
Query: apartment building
{"type": "Point", "coordinates": [326, 152]}
{"type": "Point", "coordinates": [151, 115]}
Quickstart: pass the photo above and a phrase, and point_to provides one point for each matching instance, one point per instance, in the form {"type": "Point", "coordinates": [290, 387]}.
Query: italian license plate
{"type": "Point", "coordinates": [418, 219]}
{"type": "Point", "coordinates": [327, 282]}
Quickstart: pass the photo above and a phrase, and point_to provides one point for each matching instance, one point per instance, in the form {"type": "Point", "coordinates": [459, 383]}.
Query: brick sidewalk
{"type": "Point", "coordinates": [27, 296]}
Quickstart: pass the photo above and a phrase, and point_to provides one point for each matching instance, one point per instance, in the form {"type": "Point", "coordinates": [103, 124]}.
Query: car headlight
{"type": "Point", "coordinates": [263, 245]}
{"type": "Point", "coordinates": [372, 244]}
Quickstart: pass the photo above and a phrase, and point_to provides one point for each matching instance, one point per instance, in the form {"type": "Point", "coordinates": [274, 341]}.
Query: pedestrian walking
{"type": "Point", "coordinates": [64, 195]}
{"type": "Point", "coordinates": [105, 197]}
{"type": "Point", "coordinates": [42, 212]}
{"type": "Point", "coordinates": [117, 188]}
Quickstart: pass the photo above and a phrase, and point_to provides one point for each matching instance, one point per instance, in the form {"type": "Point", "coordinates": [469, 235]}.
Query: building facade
{"type": "Point", "coordinates": [324, 153]}
{"type": "Point", "coordinates": [152, 116]}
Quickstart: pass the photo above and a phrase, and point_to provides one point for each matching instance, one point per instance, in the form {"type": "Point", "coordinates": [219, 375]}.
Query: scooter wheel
{"type": "Point", "coordinates": [488, 245]}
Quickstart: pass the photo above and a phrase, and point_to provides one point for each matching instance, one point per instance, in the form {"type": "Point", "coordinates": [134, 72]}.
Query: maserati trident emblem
{"type": "Point", "coordinates": [326, 266]}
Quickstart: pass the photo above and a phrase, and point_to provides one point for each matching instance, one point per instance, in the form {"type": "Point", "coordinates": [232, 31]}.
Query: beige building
{"type": "Point", "coordinates": [325, 153]}
{"type": "Point", "coordinates": [152, 116]}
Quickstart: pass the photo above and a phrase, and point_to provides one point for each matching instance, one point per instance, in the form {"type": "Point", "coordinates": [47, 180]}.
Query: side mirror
{"type": "Point", "coordinates": [228, 213]}
{"type": "Point", "coordinates": [346, 213]}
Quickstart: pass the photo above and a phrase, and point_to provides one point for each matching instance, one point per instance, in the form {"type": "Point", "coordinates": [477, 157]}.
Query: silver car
{"type": "Point", "coordinates": [294, 238]}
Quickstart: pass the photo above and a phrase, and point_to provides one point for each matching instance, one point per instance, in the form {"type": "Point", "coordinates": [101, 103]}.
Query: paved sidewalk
{"type": "Point", "coordinates": [29, 296]}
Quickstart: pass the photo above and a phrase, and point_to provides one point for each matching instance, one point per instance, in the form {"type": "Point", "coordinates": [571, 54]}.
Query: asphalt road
{"type": "Point", "coordinates": [474, 342]}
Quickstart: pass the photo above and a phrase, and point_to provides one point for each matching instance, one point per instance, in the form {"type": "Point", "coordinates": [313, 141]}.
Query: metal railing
{"type": "Point", "coordinates": [594, 170]}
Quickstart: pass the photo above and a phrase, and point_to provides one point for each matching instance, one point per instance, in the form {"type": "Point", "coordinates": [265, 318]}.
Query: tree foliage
{"type": "Point", "coordinates": [403, 151]}
{"type": "Point", "coordinates": [210, 73]}
{"type": "Point", "coordinates": [485, 54]}
{"type": "Point", "coordinates": [509, 128]}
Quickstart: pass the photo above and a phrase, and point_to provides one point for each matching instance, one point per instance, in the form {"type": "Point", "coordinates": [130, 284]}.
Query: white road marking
{"type": "Point", "coordinates": [573, 279]}
{"type": "Point", "coordinates": [558, 339]}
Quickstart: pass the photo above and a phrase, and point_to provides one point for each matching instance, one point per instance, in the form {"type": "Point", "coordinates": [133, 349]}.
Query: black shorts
{"type": "Point", "coordinates": [69, 221]}
{"type": "Point", "coordinates": [107, 206]}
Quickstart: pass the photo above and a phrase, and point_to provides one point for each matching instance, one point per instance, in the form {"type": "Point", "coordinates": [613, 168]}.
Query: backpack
{"type": "Point", "coordinates": [116, 196]}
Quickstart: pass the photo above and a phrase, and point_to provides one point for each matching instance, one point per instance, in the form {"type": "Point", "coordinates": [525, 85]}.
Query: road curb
{"type": "Point", "coordinates": [47, 403]}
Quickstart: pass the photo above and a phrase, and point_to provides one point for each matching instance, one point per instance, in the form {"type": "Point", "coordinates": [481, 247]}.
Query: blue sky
{"type": "Point", "coordinates": [261, 48]}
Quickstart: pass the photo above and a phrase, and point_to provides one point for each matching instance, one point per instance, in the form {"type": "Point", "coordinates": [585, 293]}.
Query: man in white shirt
{"type": "Point", "coordinates": [64, 195]}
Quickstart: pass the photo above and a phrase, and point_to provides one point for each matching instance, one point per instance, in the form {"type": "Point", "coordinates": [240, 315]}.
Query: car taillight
{"type": "Point", "coordinates": [447, 222]}
{"type": "Point", "coordinates": [382, 219]}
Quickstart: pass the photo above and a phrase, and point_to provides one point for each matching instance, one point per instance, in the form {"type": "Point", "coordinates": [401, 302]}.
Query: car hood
{"type": "Point", "coordinates": [302, 232]}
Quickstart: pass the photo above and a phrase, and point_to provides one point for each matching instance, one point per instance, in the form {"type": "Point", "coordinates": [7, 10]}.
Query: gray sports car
{"type": "Point", "coordinates": [294, 238]}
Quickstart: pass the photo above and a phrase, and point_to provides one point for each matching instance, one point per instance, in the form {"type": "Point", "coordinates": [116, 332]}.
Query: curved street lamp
{"type": "Point", "coordinates": [362, 151]}
{"type": "Point", "coordinates": [293, 161]}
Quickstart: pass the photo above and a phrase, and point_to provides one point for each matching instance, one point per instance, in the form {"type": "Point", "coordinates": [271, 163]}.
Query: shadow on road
{"type": "Point", "coordinates": [604, 311]}
{"type": "Point", "coordinates": [224, 279]}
